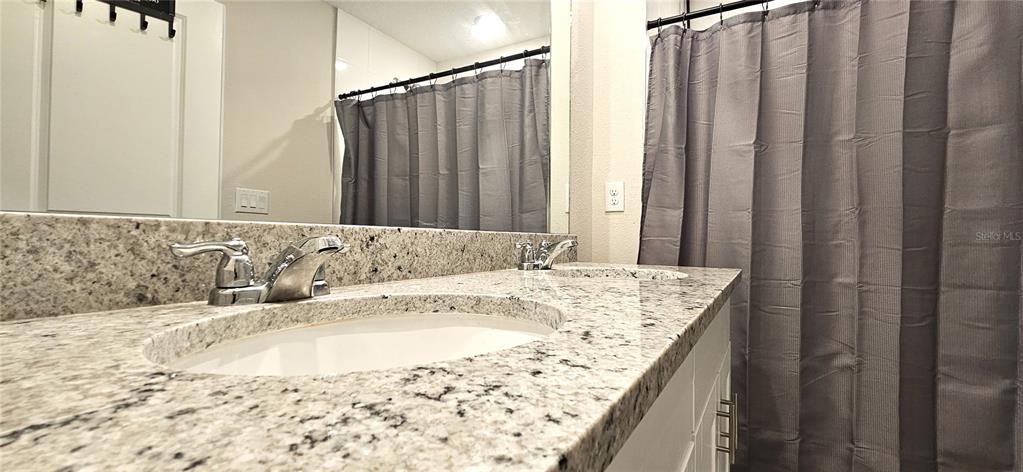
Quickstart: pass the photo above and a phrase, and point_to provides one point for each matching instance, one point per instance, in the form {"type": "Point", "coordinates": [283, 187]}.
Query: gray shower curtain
{"type": "Point", "coordinates": [862, 162]}
{"type": "Point", "coordinates": [470, 154]}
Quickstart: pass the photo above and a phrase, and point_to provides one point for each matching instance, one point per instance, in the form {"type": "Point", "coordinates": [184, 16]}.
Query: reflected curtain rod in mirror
{"type": "Point", "coordinates": [455, 71]}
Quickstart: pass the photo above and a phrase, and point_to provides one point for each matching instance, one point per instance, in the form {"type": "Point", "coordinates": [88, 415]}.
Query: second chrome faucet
{"type": "Point", "coordinates": [541, 258]}
{"type": "Point", "coordinates": [296, 273]}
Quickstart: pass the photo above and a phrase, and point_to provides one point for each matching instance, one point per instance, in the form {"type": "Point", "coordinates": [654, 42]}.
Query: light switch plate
{"type": "Point", "coordinates": [614, 196]}
{"type": "Point", "coordinates": [247, 200]}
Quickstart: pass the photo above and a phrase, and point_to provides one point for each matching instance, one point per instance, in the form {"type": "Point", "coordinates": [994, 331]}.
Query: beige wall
{"type": "Point", "coordinates": [608, 107]}
{"type": "Point", "coordinates": [278, 83]}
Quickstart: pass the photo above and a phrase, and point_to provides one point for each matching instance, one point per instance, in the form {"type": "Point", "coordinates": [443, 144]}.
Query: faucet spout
{"type": "Point", "coordinates": [292, 275]}
{"type": "Point", "coordinates": [550, 254]}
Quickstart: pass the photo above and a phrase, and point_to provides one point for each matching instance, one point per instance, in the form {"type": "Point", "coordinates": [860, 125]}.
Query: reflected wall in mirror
{"type": "Point", "coordinates": [236, 116]}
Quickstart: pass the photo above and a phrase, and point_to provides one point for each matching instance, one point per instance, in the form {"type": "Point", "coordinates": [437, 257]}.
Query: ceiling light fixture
{"type": "Point", "coordinates": [487, 26]}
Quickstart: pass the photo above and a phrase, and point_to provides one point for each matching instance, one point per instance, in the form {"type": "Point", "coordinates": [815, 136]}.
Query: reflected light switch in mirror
{"type": "Point", "coordinates": [247, 200]}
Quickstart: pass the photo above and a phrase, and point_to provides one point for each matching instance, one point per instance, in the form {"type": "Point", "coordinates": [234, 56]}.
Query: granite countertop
{"type": "Point", "coordinates": [77, 393]}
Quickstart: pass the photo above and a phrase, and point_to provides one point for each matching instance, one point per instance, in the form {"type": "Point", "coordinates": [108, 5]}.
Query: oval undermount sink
{"type": "Point", "coordinates": [618, 273]}
{"type": "Point", "coordinates": [350, 335]}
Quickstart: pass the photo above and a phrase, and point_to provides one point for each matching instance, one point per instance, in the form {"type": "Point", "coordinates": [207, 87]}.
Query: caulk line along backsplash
{"type": "Point", "coordinates": [62, 264]}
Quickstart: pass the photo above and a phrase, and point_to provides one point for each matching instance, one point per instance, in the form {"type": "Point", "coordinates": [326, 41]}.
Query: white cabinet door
{"type": "Point", "coordinates": [663, 440]}
{"type": "Point", "coordinates": [706, 431]}
{"type": "Point", "coordinates": [680, 430]}
{"type": "Point", "coordinates": [725, 389]}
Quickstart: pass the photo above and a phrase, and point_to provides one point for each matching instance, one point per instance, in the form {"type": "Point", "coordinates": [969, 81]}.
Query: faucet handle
{"type": "Point", "coordinates": [235, 267]}
{"type": "Point", "coordinates": [525, 250]}
{"type": "Point", "coordinates": [526, 254]}
{"type": "Point", "coordinates": [234, 247]}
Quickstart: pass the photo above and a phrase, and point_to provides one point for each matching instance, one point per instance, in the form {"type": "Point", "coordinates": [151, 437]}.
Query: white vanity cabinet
{"type": "Point", "coordinates": [682, 429]}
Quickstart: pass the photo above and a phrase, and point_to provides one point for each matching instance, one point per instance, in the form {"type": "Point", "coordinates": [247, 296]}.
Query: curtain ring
{"type": "Point", "coordinates": [501, 58]}
{"type": "Point", "coordinates": [454, 74]}
{"type": "Point", "coordinates": [476, 69]}
{"type": "Point", "coordinates": [659, 25]}
{"type": "Point", "coordinates": [721, 13]}
{"type": "Point", "coordinates": [433, 80]}
{"type": "Point", "coordinates": [765, 7]}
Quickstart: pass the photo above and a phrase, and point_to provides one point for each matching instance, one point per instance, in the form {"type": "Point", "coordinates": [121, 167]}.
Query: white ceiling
{"type": "Point", "coordinates": [440, 30]}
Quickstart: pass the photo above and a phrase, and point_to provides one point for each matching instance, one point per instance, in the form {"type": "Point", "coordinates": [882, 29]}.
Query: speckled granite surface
{"type": "Point", "coordinates": [78, 392]}
{"type": "Point", "coordinates": [62, 264]}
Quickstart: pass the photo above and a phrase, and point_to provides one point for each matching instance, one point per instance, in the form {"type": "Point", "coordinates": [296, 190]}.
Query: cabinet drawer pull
{"type": "Point", "coordinates": [733, 428]}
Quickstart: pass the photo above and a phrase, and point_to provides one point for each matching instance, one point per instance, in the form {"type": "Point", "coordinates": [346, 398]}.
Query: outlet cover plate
{"type": "Point", "coordinates": [614, 196]}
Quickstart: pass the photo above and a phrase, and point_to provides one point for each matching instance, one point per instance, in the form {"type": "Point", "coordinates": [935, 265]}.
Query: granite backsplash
{"type": "Point", "coordinates": [53, 264]}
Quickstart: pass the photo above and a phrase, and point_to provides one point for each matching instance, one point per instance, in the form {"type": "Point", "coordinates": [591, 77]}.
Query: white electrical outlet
{"type": "Point", "coordinates": [614, 197]}
{"type": "Point", "coordinates": [247, 200]}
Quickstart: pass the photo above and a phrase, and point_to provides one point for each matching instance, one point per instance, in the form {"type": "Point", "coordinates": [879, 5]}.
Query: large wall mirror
{"type": "Point", "coordinates": [291, 111]}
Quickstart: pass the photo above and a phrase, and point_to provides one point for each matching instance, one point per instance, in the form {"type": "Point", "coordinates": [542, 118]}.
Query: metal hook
{"type": "Point", "coordinates": [113, 13]}
{"type": "Point", "coordinates": [476, 69]}
{"type": "Point", "coordinates": [171, 32]}
{"type": "Point", "coordinates": [721, 13]}
{"type": "Point", "coordinates": [143, 24]}
{"type": "Point", "coordinates": [78, 6]}
{"type": "Point", "coordinates": [433, 80]}
{"type": "Point", "coordinates": [501, 60]}
{"type": "Point", "coordinates": [659, 25]}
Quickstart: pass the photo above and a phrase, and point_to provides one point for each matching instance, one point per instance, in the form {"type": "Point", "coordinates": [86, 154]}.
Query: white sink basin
{"type": "Point", "coordinates": [618, 273]}
{"type": "Point", "coordinates": [334, 337]}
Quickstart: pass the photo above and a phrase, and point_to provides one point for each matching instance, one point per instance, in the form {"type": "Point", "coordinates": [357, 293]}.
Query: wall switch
{"type": "Point", "coordinates": [247, 200]}
{"type": "Point", "coordinates": [614, 196]}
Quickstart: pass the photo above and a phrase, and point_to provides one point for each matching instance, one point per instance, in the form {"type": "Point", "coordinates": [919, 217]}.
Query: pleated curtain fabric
{"type": "Point", "coordinates": [473, 153]}
{"type": "Point", "coordinates": [862, 163]}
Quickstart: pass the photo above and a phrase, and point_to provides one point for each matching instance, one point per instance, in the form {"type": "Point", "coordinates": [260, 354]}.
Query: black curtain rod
{"type": "Point", "coordinates": [455, 71]}
{"type": "Point", "coordinates": [718, 10]}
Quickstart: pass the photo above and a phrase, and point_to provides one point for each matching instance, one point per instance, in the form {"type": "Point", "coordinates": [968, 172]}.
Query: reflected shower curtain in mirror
{"type": "Point", "coordinates": [469, 154]}
{"type": "Point", "coordinates": [861, 162]}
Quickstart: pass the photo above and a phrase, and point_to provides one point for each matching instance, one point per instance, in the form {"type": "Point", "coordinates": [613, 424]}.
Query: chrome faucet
{"type": "Point", "coordinates": [543, 257]}
{"type": "Point", "coordinates": [296, 273]}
